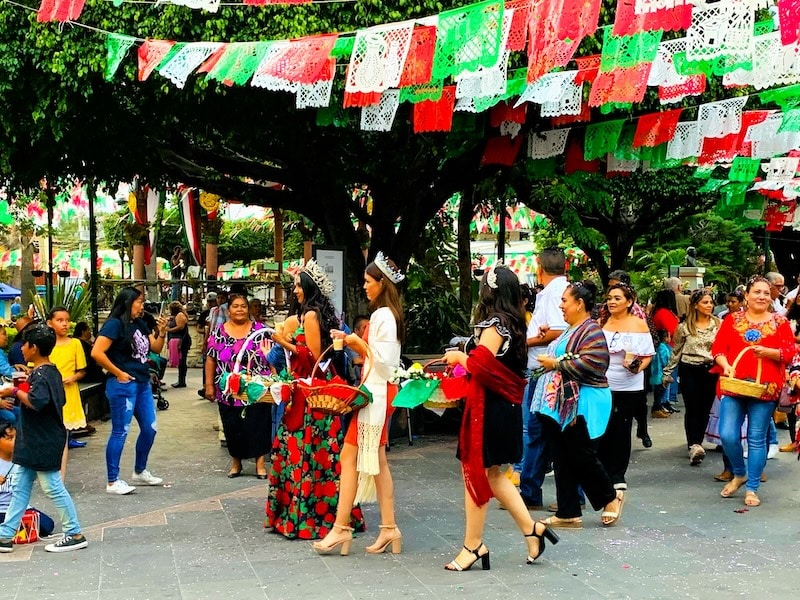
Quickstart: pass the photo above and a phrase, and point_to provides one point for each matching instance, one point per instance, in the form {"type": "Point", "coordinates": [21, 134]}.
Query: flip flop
{"type": "Point", "coordinates": [732, 487]}
{"type": "Point", "coordinates": [614, 516]}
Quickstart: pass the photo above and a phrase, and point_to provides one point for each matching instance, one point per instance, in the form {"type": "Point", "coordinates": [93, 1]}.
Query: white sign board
{"type": "Point", "coordinates": [332, 260]}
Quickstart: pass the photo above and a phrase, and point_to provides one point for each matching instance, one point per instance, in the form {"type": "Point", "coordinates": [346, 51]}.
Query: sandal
{"type": "Point", "coordinates": [395, 539]}
{"type": "Point", "coordinates": [733, 486]}
{"type": "Point", "coordinates": [547, 533]}
{"type": "Point", "coordinates": [344, 542]}
{"type": "Point", "coordinates": [751, 498]}
{"type": "Point", "coordinates": [454, 566]}
{"type": "Point", "coordinates": [613, 516]}
{"type": "Point", "coordinates": [559, 523]}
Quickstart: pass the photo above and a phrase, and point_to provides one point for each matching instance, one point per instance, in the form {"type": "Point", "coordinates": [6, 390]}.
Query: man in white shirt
{"type": "Point", "coordinates": [547, 323]}
{"type": "Point", "coordinates": [776, 284]}
{"type": "Point", "coordinates": [791, 297]}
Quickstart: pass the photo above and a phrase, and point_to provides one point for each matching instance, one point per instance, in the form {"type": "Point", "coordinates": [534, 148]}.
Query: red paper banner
{"type": "Point", "coordinates": [656, 129]}
{"type": "Point", "coordinates": [430, 115]}
{"type": "Point", "coordinates": [501, 150]}
{"type": "Point", "coordinates": [627, 22]}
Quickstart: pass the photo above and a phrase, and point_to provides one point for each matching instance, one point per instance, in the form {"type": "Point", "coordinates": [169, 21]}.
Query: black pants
{"type": "Point", "coordinates": [575, 463]}
{"type": "Point", "coordinates": [186, 344]}
{"type": "Point", "coordinates": [698, 387]}
{"type": "Point", "coordinates": [614, 448]}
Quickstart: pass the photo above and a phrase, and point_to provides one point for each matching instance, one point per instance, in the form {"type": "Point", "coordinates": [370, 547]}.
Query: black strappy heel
{"type": "Point", "coordinates": [454, 566]}
{"type": "Point", "coordinates": [547, 533]}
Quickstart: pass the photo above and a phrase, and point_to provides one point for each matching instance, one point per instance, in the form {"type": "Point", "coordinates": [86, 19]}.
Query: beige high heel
{"type": "Point", "coordinates": [396, 541]}
{"type": "Point", "coordinates": [344, 542]}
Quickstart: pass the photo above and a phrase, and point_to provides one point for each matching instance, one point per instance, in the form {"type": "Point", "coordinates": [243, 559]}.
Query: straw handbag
{"type": "Point", "coordinates": [336, 396]}
{"type": "Point", "coordinates": [741, 387]}
{"type": "Point", "coordinates": [245, 386]}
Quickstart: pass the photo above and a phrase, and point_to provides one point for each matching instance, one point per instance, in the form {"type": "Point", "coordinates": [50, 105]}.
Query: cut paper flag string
{"type": "Point", "coordinates": [59, 10]}
{"type": "Point", "coordinates": [556, 29]}
{"type": "Point", "coordinates": [117, 46]}
{"type": "Point", "coordinates": [468, 38]}
{"type": "Point", "coordinates": [669, 18]}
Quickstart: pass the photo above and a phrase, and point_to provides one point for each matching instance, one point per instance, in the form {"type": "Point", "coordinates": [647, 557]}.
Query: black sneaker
{"type": "Point", "coordinates": [6, 545]}
{"type": "Point", "coordinates": [68, 543]}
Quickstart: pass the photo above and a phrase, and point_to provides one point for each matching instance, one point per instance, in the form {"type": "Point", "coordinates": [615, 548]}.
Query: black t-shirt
{"type": "Point", "coordinates": [202, 318]}
{"type": "Point", "coordinates": [40, 433]}
{"type": "Point", "coordinates": [129, 347]}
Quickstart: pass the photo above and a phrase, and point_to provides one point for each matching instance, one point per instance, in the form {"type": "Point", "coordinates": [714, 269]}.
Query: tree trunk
{"type": "Point", "coordinates": [212, 262]}
{"type": "Point", "coordinates": [465, 211]}
{"type": "Point", "coordinates": [27, 281]}
{"type": "Point", "coordinates": [277, 214]}
{"type": "Point", "coordinates": [138, 262]}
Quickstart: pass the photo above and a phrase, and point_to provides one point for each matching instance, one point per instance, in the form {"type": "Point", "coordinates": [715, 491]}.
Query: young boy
{"type": "Point", "coordinates": [40, 442]}
{"type": "Point", "coordinates": [8, 433]}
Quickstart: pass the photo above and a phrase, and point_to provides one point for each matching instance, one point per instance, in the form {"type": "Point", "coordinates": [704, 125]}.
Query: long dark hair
{"type": "Point", "coordinates": [122, 305]}
{"type": "Point", "coordinates": [388, 297]}
{"type": "Point", "coordinates": [315, 300]}
{"type": "Point", "coordinates": [665, 299]}
{"type": "Point", "coordinates": [505, 303]}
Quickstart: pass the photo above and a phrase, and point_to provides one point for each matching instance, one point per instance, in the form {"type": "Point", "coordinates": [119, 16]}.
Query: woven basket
{"type": "Point", "coordinates": [246, 377]}
{"type": "Point", "coordinates": [741, 387]}
{"type": "Point", "coordinates": [438, 399]}
{"type": "Point", "coordinates": [338, 398]}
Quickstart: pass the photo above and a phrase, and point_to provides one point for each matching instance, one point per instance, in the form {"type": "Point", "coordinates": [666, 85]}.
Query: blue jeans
{"type": "Point", "coordinates": [277, 417]}
{"type": "Point", "coordinates": [773, 433]}
{"type": "Point", "coordinates": [535, 454]}
{"type": "Point", "coordinates": [53, 487]}
{"type": "Point", "coordinates": [526, 411]}
{"type": "Point", "coordinates": [672, 390]}
{"type": "Point", "coordinates": [731, 416]}
{"type": "Point", "coordinates": [659, 396]}
{"type": "Point", "coordinates": [9, 416]}
{"type": "Point", "coordinates": [128, 400]}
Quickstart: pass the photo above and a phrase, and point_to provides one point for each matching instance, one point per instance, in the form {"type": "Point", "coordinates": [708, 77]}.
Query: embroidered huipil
{"type": "Point", "coordinates": [737, 333]}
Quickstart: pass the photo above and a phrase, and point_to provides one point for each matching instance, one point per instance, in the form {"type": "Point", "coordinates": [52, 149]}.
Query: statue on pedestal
{"type": "Point", "coordinates": [691, 257]}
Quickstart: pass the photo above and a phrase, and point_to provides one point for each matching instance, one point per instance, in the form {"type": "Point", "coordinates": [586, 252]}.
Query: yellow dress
{"type": "Point", "coordinates": [69, 359]}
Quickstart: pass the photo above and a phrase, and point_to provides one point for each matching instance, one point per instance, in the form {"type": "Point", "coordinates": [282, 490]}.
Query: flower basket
{"type": "Point", "coordinates": [245, 386]}
{"type": "Point", "coordinates": [336, 397]}
{"type": "Point", "coordinates": [451, 389]}
{"type": "Point", "coordinates": [742, 387]}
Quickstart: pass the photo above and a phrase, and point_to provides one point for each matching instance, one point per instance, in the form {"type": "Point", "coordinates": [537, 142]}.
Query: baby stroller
{"type": "Point", "coordinates": [156, 365]}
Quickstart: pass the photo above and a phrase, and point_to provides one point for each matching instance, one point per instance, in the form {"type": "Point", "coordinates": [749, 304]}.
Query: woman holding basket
{"type": "Point", "coordinates": [491, 427]}
{"type": "Point", "coordinates": [246, 431]}
{"type": "Point", "coordinates": [752, 347]}
{"type": "Point", "coordinates": [304, 475]}
{"type": "Point", "coordinates": [365, 471]}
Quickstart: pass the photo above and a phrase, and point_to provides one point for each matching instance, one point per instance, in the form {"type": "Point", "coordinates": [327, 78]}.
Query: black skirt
{"type": "Point", "coordinates": [248, 430]}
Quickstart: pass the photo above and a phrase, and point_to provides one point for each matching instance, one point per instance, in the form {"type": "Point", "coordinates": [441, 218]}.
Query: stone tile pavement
{"type": "Point", "coordinates": [201, 535]}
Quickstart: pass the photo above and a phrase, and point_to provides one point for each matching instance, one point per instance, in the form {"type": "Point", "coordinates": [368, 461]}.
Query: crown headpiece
{"type": "Point", "coordinates": [391, 272]}
{"type": "Point", "coordinates": [318, 276]}
{"type": "Point", "coordinates": [491, 276]}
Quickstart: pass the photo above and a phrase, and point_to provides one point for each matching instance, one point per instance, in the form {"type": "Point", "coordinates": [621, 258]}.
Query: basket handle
{"type": "Point", "coordinates": [364, 372]}
{"type": "Point", "coordinates": [252, 336]}
{"type": "Point", "coordinates": [448, 368]}
{"type": "Point", "coordinates": [739, 357]}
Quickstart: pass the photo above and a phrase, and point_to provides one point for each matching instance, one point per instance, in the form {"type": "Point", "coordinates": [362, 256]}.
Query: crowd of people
{"type": "Point", "coordinates": [554, 379]}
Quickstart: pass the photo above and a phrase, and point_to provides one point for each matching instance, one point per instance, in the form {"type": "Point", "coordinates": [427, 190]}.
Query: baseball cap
{"type": "Point", "coordinates": [211, 296]}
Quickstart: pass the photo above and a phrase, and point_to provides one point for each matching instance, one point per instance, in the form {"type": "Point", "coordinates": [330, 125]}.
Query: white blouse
{"type": "Point", "coordinates": [619, 343]}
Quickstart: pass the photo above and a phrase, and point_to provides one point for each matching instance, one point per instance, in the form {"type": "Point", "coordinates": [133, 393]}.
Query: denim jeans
{"type": "Point", "coordinates": [731, 416]}
{"type": "Point", "coordinates": [277, 416]}
{"type": "Point", "coordinates": [128, 400]}
{"type": "Point", "coordinates": [772, 434]}
{"type": "Point", "coordinates": [53, 487]}
{"type": "Point", "coordinates": [526, 411]}
{"type": "Point", "coordinates": [535, 454]}
{"type": "Point", "coordinates": [659, 397]}
{"type": "Point", "coordinates": [672, 390]}
{"type": "Point", "coordinates": [9, 416]}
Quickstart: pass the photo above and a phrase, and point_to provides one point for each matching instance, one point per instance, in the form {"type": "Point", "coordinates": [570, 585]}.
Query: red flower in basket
{"type": "Point", "coordinates": [234, 383]}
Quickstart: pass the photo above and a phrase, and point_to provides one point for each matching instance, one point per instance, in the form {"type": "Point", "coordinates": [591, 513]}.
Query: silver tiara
{"type": "Point", "coordinates": [392, 273]}
{"type": "Point", "coordinates": [319, 277]}
{"type": "Point", "coordinates": [491, 276]}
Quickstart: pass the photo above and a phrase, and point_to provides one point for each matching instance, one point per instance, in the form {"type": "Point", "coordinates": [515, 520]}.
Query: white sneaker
{"type": "Point", "coordinates": [119, 487]}
{"type": "Point", "coordinates": [773, 450]}
{"type": "Point", "coordinates": [145, 478]}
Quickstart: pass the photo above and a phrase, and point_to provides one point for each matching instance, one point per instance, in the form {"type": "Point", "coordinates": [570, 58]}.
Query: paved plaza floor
{"type": "Point", "coordinates": [201, 536]}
